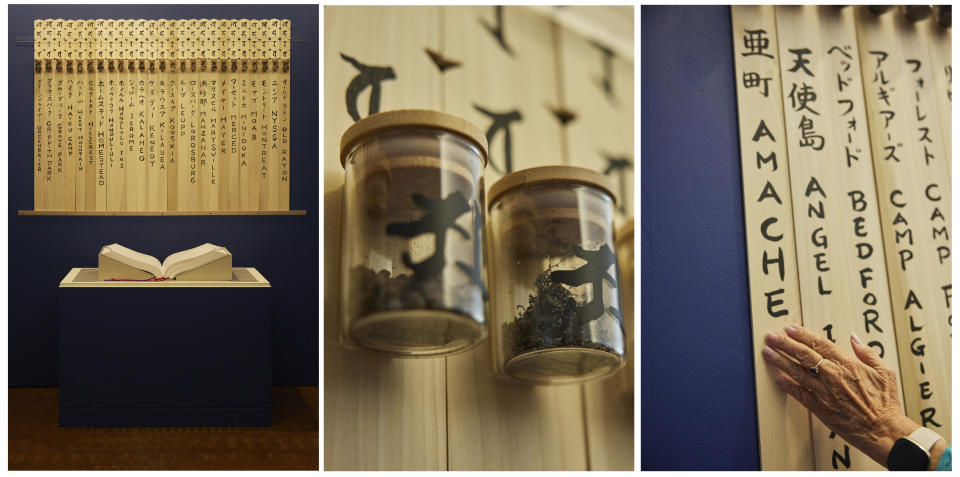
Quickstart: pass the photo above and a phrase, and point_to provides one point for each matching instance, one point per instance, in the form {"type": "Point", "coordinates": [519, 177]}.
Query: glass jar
{"type": "Point", "coordinates": [556, 300]}
{"type": "Point", "coordinates": [625, 257]}
{"type": "Point", "coordinates": [412, 268]}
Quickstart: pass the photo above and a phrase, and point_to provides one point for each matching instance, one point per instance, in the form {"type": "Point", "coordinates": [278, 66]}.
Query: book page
{"type": "Point", "coordinates": [133, 258]}
{"type": "Point", "coordinates": [192, 258]}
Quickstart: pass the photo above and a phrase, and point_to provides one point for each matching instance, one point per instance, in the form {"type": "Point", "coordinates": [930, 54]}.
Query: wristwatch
{"type": "Point", "coordinates": [913, 452]}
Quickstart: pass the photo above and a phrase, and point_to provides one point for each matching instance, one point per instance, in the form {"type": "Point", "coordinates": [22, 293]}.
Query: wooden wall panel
{"type": "Point", "coordinates": [941, 62]}
{"type": "Point", "coordinates": [597, 87]}
{"type": "Point", "coordinates": [512, 75]}
{"type": "Point", "coordinates": [835, 209]}
{"type": "Point", "coordinates": [914, 188]}
{"type": "Point", "coordinates": [379, 413]}
{"type": "Point", "coordinates": [452, 413]}
{"type": "Point", "coordinates": [784, 424]}
{"type": "Point", "coordinates": [514, 80]}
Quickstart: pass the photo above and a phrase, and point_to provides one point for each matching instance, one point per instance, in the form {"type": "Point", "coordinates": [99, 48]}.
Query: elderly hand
{"type": "Point", "coordinates": [856, 398]}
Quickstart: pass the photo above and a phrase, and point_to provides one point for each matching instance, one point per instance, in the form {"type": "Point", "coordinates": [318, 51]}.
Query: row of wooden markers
{"type": "Point", "coordinates": [845, 150]}
{"type": "Point", "coordinates": [158, 115]}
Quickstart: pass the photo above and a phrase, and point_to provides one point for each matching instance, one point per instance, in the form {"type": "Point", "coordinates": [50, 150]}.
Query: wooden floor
{"type": "Point", "coordinates": [36, 442]}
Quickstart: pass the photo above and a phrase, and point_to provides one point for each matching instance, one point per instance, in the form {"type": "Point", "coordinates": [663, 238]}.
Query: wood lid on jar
{"type": "Point", "coordinates": [407, 119]}
{"type": "Point", "coordinates": [550, 175]}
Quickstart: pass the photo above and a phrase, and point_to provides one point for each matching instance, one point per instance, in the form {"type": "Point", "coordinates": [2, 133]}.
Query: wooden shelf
{"type": "Point", "coordinates": [160, 212]}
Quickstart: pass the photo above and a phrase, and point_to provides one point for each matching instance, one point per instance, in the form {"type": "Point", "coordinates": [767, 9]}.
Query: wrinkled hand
{"type": "Point", "coordinates": [856, 398]}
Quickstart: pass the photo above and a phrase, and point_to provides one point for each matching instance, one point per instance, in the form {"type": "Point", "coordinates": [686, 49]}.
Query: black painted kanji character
{"type": "Point", "coordinates": [443, 63]}
{"type": "Point", "coordinates": [593, 272]}
{"type": "Point", "coordinates": [441, 214]}
{"type": "Point", "coordinates": [756, 42]}
{"type": "Point", "coordinates": [925, 136]}
{"type": "Point", "coordinates": [618, 165]}
{"type": "Point", "coordinates": [501, 121]}
{"type": "Point", "coordinates": [920, 117]}
{"type": "Point", "coordinates": [475, 271]}
{"type": "Point", "coordinates": [753, 80]}
{"type": "Point", "coordinates": [916, 65]}
{"type": "Point", "coordinates": [497, 30]}
{"type": "Point", "coordinates": [809, 138]}
{"type": "Point", "coordinates": [369, 76]}
{"type": "Point", "coordinates": [803, 96]}
{"type": "Point", "coordinates": [800, 62]}
{"type": "Point", "coordinates": [606, 81]}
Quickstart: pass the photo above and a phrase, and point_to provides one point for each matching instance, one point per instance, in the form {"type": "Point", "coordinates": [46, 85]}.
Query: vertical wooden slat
{"type": "Point", "coordinates": [102, 74]}
{"type": "Point", "coordinates": [285, 166]}
{"type": "Point", "coordinates": [79, 130]}
{"type": "Point", "coordinates": [515, 81]}
{"type": "Point", "coordinates": [224, 176]}
{"type": "Point", "coordinates": [380, 413]}
{"type": "Point", "coordinates": [91, 117]}
{"type": "Point", "coordinates": [495, 424]}
{"type": "Point", "coordinates": [842, 270]}
{"type": "Point", "coordinates": [66, 125]}
{"type": "Point", "coordinates": [939, 44]}
{"type": "Point", "coordinates": [784, 424]}
{"type": "Point", "coordinates": [39, 115]}
{"type": "Point", "coordinates": [597, 88]}
{"type": "Point", "coordinates": [50, 187]}
{"type": "Point", "coordinates": [174, 160]}
{"type": "Point", "coordinates": [254, 115]}
{"type": "Point", "coordinates": [233, 150]}
{"type": "Point", "coordinates": [263, 135]}
{"type": "Point", "coordinates": [914, 189]}
{"type": "Point", "coordinates": [139, 156]}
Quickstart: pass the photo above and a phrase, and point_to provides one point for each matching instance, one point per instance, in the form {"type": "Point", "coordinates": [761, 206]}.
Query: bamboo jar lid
{"type": "Point", "coordinates": [407, 119]}
{"type": "Point", "coordinates": [550, 175]}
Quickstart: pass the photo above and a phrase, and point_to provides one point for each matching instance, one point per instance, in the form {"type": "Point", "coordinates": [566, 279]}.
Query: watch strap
{"type": "Point", "coordinates": [925, 438]}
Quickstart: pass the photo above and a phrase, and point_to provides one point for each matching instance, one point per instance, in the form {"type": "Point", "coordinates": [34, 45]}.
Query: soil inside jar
{"type": "Point", "coordinates": [550, 320]}
{"type": "Point", "coordinates": [379, 291]}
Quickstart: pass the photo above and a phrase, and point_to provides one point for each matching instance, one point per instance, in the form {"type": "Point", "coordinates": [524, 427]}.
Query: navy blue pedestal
{"type": "Point", "coordinates": [164, 356]}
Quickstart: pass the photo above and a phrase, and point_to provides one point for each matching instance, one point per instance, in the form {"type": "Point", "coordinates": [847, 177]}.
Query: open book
{"type": "Point", "coordinates": [203, 263]}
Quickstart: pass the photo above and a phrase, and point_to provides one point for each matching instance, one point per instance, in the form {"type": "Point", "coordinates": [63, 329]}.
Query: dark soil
{"type": "Point", "coordinates": [550, 320]}
{"type": "Point", "coordinates": [373, 292]}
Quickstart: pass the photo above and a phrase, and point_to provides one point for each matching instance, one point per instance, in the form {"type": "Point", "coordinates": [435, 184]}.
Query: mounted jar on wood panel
{"type": "Point", "coordinates": [557, 314]}
{"type": "Point", "coordinates": [412, 259]}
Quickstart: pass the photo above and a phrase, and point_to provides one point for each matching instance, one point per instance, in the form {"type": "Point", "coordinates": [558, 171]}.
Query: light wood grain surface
{"type": "Point", "coordinates": [451, 413]}
{"type": "Point", "coordinates": [379, 413]}
{"type": "Point", "coordinates": [914, 207]}
{"type": "Point", "coordinates": [147, 99]}
{"type": "Point", "coordinates": [841, 249]}
{"type": "Point", "coordinates": [939, 42]}
{"type": "Point", "coordinates": [600, 137]}
{"type": "Point", "coordinates": [87, 278]}
{"type": "Point", "coordinates": [784, 424]}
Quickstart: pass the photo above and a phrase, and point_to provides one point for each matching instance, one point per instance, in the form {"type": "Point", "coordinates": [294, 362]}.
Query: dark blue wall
{"type": "Point", "coordinates": [284, 248]}
{"type": "Point", "coordinates": [697, 401]}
